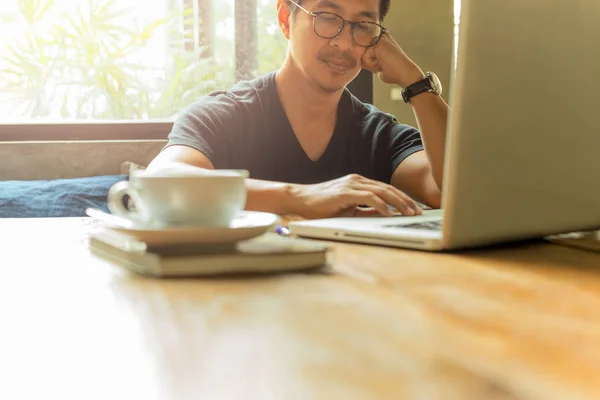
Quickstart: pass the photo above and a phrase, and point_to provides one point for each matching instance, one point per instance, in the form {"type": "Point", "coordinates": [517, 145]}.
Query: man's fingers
{"type": "Point", "coordinates": [394, 198]}
{"type": "Point", "coordinates": [413, 204]}
{"type": "Point", "coordinates": [346, 213]}
{"type": "Point", "coordinates": [373, 66]}
{"type": "Point", "coordinates": [370, 199]}
{"type": "Point", "coordinates": [388, 194]}
{"type": "Point", "coordinates": [407, 200]}
{"type": "Point", "coordinates": [370, 62]}
{"type": "Point", "coordinates": [357, 212]}
{"type": "Point", "coordinates": [366, 212]}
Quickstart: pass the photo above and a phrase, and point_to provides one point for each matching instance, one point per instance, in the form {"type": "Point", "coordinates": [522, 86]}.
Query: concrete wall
{"type": "Point", "coordinates": [424, 29]}
{"type": "Point", "coordinates": [60, 160]}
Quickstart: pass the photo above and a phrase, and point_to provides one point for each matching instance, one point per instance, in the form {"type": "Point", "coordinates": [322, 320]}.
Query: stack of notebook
{"type": "Point", "coordinates": [264, 254]}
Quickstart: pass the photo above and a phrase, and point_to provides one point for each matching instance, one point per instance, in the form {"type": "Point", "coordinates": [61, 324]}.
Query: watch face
{"type": "Point", "coordinates": [435, 83]}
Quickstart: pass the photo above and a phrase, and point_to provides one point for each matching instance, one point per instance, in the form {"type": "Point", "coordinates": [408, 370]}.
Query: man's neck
{"type": "Point", "coordinates": [304, 100]}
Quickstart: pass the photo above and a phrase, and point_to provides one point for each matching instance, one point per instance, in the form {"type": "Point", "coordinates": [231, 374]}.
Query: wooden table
{"type": "Point", "coordinates": [518, 322]}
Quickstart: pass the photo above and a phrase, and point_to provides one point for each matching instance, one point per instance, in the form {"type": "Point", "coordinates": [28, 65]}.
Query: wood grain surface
{"type": "Point", "coordinates": [511, 322]}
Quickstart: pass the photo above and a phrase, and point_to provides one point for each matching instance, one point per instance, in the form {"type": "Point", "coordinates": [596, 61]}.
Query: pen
{"type": "Point", "coordinates": [282, 230]}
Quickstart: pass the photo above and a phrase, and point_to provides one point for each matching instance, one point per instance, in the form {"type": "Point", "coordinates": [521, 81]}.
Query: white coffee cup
{"type": "Point", "coordinates": [188, 196]}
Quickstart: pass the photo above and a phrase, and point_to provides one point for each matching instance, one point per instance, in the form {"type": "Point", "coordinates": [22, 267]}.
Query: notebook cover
{"type": "Point", "coordinates": [265, 254]}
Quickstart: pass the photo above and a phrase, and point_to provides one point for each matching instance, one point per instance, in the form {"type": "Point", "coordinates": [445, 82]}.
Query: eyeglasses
{"type": "Point", "coordinates": [329, 25]}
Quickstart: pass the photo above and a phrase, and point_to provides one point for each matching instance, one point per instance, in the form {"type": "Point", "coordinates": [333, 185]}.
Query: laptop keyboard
{"type": "Point", "coordinates": [435, 225]}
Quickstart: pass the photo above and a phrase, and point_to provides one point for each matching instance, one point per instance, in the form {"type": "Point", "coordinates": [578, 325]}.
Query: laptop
{"type": "Point", "coordinates": [523, 141]}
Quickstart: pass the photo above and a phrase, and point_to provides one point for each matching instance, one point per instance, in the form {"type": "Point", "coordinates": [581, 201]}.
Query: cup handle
{"type": "Point", "coordinates": [115, 200]}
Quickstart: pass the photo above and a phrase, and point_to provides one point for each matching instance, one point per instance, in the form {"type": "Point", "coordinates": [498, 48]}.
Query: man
{"type": "Point", "coordinates": [311, 147]}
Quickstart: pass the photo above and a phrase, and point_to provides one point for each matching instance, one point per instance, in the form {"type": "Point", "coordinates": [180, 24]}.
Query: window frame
{"type": "Point", "coordinates": [82, 130]}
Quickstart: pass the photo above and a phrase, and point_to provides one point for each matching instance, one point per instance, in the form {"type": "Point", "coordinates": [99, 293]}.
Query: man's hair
{"type": "Point", "coordinates": [384, 7]}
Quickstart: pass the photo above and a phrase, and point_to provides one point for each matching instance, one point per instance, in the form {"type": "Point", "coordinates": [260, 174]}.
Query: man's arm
{"type": "Point", "coordinates": [414, 177]}
{"type": "Point", "coordinates": [340, 196]}
{"type": "Point", "coordinates": [421, 174]}
{"type": "Point", "coordinates": [274, 197]}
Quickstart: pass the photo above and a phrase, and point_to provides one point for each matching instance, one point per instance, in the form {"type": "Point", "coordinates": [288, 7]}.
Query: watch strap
{"type": "Point", "coordinates": [416, 88]}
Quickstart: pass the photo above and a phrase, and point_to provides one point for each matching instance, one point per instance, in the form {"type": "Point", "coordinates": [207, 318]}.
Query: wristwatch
{"type": "Point", "coordinates": [431, 84]}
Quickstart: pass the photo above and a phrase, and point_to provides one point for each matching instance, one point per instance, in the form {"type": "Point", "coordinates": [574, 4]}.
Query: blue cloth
{"type": "Point", "coordinates": [55, 198]}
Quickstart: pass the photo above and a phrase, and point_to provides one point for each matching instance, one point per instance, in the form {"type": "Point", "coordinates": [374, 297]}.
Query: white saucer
{"type": "Point", "coordinates": [247, 225]}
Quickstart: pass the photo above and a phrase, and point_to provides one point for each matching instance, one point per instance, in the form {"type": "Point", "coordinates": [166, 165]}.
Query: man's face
{"type": "Point", "coordinates": [331, 63]}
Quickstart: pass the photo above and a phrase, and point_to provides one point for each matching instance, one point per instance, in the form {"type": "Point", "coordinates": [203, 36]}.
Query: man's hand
{"type": "Point", "coordinates": [390, 63]}
{"type": "Point", "coordinates": [343, 196]}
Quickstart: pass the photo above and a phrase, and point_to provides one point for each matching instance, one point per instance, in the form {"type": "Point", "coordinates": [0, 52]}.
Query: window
{"type": "Point", "coordinates": [128, 60]}
{"type": "Point", "coordinates": [457, 8]}
{"type": "Point", "coordinates": [116, 69]}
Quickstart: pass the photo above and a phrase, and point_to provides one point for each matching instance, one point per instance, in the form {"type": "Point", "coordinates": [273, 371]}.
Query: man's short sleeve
{"type": "Point", "coordinates": [405, 140]}
{"type": "Point", "coordinates": [207, 126]}
{"type": "Point", "coordinates": [393, 143]}
{"type": "Point", "coordinates": [384, 141]}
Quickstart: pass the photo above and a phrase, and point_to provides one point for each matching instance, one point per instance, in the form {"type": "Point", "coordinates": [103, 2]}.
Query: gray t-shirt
{"type": "Point", "coordinates": [246, 128]}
